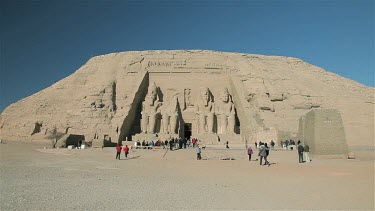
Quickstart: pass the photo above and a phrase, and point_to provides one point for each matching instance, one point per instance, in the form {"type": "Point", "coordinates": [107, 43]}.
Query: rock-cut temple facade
{"type": "Point", "coordinates": [213, 96]}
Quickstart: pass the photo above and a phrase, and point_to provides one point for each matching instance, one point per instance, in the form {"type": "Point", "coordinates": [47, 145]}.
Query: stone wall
{"type": "Point", "coordinates": [323, 131]}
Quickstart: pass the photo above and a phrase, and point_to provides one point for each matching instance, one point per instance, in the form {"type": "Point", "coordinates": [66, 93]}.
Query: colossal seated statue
{"type": "Point", "coordinates": [170, 116]}
{"type": "Point", "coordinates": [150, 110]}
{"type": "Point", "coordinates": [205, 109]}
{"type": "Point", "coordinates": [226, 113]}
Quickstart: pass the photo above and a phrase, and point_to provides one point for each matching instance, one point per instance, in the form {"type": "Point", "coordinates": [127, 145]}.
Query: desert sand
{"type": "Point", "coordinates": [34, 178]}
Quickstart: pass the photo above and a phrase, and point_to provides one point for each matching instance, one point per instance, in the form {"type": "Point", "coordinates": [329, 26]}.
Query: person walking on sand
{"type": "Point", "coordinates": [249, 152]}
{"type": "Point", "coordinates": [227, 144]}
{"type": "Point", "coordinates": [300, 153]}
{"type": "Point", "coordinates": [306, 150]}
{"type": "Point", "coordinates": [199, 150]}
{"type": "Point", "coordinates": [267, 153]}
{"type": "Point", "coordinates": [256, 145]}
{"type": "Point", "coordinates": [118, 149]}
{"type": "Point", "coordinates": [262, 154]}
{"type": "Point", "coordinates": [126, 150]}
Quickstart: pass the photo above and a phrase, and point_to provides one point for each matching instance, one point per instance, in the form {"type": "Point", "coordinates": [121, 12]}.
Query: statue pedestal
{"type": "Point", "coordinates": [145, 137]}
{"type": "Point", "coordinates": [163, 137]}
{"type": "Point", "coordinates": [231, 138]}
{"type": "Point", "coordinates": [149, 137]}
{"type": "Point", "coordinates": [207, 139]}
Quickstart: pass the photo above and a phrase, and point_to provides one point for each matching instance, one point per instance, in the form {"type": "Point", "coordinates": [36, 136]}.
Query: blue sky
{"type": "Point", "coordinates": [45, 41]}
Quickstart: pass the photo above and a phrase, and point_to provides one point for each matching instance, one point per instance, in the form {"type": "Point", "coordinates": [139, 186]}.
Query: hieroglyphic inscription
{"type": "Point", "coordinates": [215, 65]}
{"type": "Point", "coordinates": [166, 63]}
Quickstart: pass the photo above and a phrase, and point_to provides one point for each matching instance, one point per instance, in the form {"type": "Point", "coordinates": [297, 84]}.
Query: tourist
{"type": "Point", "coordinates": [227, 144]}
{"type": "Point", "coordinates": [267, 153]}
{"type": "Point", "coordinates": [166, 143]}
{"type": "Point", "coordinates": [135, 144]}
{"type": "Point", "coordinates": [185, 142]}
{"type": "Point", "coordinates": [262, 153]}
{"type": "Point", "coordinates": [272, 145]}
{"type": "Point", "coordinates": [126, 151]}
{"type": "Point", "coordinates": [298, 142]}
{"type": "Point", "coordinates": [199, 150]}
{"type": "Point", "coordinates": [286, 144]}
{"type": "Point", "coordinates": [171, 144]}
{"type": "Point", "coordinates": [256, 145]}
{"type": "Point", "coordinates": [300, 153]}
{"type": "Point", "coordinates": [249, 152]}
{"type": "Point", "coordinates": [306, 150]}
{"type": "Point", "coordinates": [194, 141]}
{"type": "Point", "coordinates": [118, 148]}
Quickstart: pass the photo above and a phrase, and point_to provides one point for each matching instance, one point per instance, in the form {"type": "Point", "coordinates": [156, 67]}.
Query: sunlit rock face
{"type": "Point", "coordinates": [214, 96]}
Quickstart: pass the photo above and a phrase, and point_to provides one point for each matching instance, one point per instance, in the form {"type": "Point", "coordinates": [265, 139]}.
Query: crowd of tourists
{"type": "Point", "coordinates": [183, 143]}
{"type": "Point", "coordinates": [171, 144]}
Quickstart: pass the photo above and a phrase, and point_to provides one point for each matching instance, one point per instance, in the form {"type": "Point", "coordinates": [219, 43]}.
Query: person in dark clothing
{"type": "Point", "coordinates": [300, 153]}
{"type": "Point", "coordinates": [256, 145]}
{"type": "Point", "coordinates": [267, 153]}
{"type": "Point", "coordinates": [227, 145]}
{"type": "Point", "coordinates": [180, 143]}
{"type": "Point", "coordinates": [118, 149]}
{"type": "Point", "coordinates": [272, 145]}
{"type": "Point", "coordinates": [166, 143]}
{"type": "Point", "coordinates": [262, 154]}
{"type": "Point", "coordinates": [171, 144]}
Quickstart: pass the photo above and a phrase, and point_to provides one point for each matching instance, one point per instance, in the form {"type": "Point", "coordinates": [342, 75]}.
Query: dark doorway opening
{"type": "Point", "coordinates": [187, 130]}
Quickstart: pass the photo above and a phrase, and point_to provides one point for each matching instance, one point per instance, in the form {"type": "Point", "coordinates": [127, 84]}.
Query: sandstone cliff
{"type": "Point", "coordinates": [102, 97]}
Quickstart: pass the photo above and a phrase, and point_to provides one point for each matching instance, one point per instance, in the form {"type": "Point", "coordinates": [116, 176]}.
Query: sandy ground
{"type": "Point", "coordinates": [33, 178]}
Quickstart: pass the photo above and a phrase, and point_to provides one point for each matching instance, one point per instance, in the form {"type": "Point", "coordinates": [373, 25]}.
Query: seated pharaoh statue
{"type": "Point", "coordinates": [204, 110]}
{"type": "Point", "coordinates": [170, 116]}
{"type": "Point", "coordinates": [150, 110]}
{"type": "Point", "coordinates": [226, 113]}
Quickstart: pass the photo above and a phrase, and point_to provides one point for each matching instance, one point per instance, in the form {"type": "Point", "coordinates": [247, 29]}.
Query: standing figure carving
{"type": "Point", "coordinates": [150, 110]}
{"type": "Point", "coordinates": [205, 110]}
{"type": "Point", "coordinates": [226, 113]}
{"type": "Point", "coordinates": [170, 116]}
{"type": "Point", "coordinates": [187, 96]}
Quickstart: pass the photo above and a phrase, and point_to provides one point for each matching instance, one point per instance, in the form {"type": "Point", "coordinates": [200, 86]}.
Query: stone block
{"type": "Point", "coordinates": [351, 155]}
{"type": "Point", "coordinates": [323, 131]}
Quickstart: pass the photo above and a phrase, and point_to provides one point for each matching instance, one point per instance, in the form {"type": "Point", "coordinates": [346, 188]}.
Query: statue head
{"type": "Point", "coordinates": [152, 94]}
{"type": "Point", "coordinates": [205, 95]}
{"type": "Point", "coordinates": [225, 97]}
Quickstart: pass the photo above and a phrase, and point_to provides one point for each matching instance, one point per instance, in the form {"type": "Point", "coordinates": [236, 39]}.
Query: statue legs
{"type": "Point", "coordinates": [231, 124]}
{"type": "Point", "coordinates": [174, 119]}
{"type": "Point", "coordinates": [210, 122]}
{"type": "Point", "coordinates": [202, 123]}
{"type": "Point", "coordinates": [165, 123]}
{"type": "Point", "coordinates": [144, 123]}
{"type": "Point", "coordinates": [224, 123]}
{"type": "Point", "coordinates": [152, 123]}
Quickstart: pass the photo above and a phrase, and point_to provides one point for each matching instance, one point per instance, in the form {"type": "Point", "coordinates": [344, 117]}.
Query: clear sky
{"type": "Point", "coordinates": [44, 41]}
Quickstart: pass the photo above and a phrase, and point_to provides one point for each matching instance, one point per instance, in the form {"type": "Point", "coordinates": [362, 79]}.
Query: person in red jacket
{"type": "Point", "coordinates": [118, 148]}
{"type": "Point", "coordinates": [126, 150]}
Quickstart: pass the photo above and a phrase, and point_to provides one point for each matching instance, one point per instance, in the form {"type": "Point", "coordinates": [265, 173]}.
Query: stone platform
{"type": "Point", "coordinates": [154, 137]}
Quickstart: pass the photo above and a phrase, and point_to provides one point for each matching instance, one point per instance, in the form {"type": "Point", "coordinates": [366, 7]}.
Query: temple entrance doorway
{"type": "Point", "coordinates": [187, 130]}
